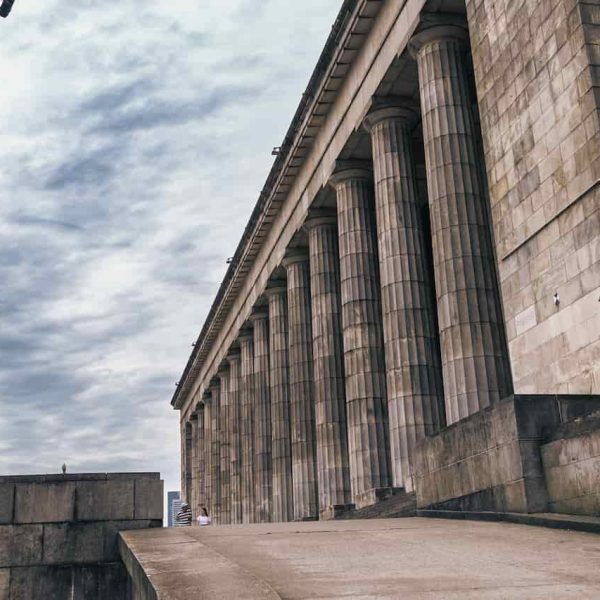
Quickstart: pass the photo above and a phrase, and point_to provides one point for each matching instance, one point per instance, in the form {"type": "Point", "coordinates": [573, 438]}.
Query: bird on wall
{"type": "Point", "coordinates": [64, 468]}
{"type": "Point", "coordinates": [5, 7]}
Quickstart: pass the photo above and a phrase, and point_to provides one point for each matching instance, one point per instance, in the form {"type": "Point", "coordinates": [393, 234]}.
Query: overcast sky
{"type": "Point", "coordinates": [134, 139]}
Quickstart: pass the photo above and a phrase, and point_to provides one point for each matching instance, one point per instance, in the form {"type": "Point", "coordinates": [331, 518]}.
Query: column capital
{"type": "Point", "coordinates": [345, 170]}
{"type": "Point", "coordinates": [233, 355]}
{"type": "Point", "coordinates": [245, 335]}
{"type": "Point", "coordinates": [223, 369]}
{"type": "Point", "coordinates": [259, 314]}
{"type": "Point", "coordinates": [276, 287]}
{"type": "Point", "coordinates": [391, 108]}
{"type": "Point", "coordinates": [437, 33]}
{"type": "Point", "coordinates": [295, 255]}
{"type": "Point", "coordinates": [320, 216]}
{"type": "Point", "coordinates": [214, 384]}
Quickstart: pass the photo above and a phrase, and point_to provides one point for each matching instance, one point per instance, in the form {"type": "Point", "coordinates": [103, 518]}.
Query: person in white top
{"type": "Point", "coordinates": [203, 518]}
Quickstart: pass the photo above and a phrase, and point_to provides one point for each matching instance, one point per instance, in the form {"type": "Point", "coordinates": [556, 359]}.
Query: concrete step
{"type": "Point", "coordinates": [400, 504]}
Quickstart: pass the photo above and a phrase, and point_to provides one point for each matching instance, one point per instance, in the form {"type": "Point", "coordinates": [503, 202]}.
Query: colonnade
{"type": "Point", "coordinates": [368, 344]}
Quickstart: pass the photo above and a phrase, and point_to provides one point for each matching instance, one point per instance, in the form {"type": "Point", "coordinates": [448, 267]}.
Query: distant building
{"type": "Point", "coordinates": [174, 502]}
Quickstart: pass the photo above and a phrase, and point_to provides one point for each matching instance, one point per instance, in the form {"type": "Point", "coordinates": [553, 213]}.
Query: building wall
{"type": "Point", "coordinates": [536, 69]}
{"type": "Point", "coordinates": [571, 460]}
{"type": "Point", "coordinates": [58, 534]}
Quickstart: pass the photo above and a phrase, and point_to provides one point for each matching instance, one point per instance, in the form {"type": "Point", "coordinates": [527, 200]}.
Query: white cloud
{"type": "Point", "coordinates": [135, 139]}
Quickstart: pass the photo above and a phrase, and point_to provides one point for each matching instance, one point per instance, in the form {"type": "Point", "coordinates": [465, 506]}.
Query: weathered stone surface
{"type": "Point", "coordinates": [45, 502]}
{"type": "Point", "coordinates": [208, 433]}
{"type": "Point", "coordinates": [235, 432]}
{"type": "Point", "coordinates": [91, 582]}
{"type": "Point", "coordinates": [281, 447]}
{"type": "Point", "coordinates": [105, 501]}
{"type": "Point", "coordinates": [301, 380]}
{"type": "Point", "coordinates": [537, 80]}
{"type": "Point", "coordinates": [412, 352]}
{"type": "Point", "coordinates": [224, 447]}
{"type": "Point", "coordinates": [247, 425]}
{"type": "Point", "coordinates": [20, 545]}
{"type": "Point", "coordinates": [215, 451]}
{"type": "Point", "coordinates": [41, 582]}
{"type": "Point", "coordinates": [4, 584]}
{"type": "Point", "coordinates": [263, 473]}
{"type": "Point", "coordinates": [383, 558]}
{"type": "Point", "coordinates": [474, 354]}
{"type": "Point", "coordinates": [490, 461]}
{"type": "Point", "coordinates": [333, 468]}
{"type": "Point", "coordinates": [149, 500]}
{"type": "Point", "coordinates": [72, 543]}
{"type": "Point", "coordinates": [368, 440]}
{"type": "Point", "coordinates": [7, 497]}
{"type": "Point", "coordinates": [571, 462]}
{"type": "Point", "coordinates": [199, 453]}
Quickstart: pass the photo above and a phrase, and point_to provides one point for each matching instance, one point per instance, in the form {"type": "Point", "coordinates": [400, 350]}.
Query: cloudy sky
{"type": "Point", "coordinates": [134, 139]}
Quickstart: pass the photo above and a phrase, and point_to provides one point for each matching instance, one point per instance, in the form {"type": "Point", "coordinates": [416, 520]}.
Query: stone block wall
{"type": "Point", "coordinates": [59, 534]}
{"type": "Point", "coordinates": [571, 461]}
{"type": "Point", "coordinates": [491, 461]}
{"type": "Point", "coordinates": [538, 81]}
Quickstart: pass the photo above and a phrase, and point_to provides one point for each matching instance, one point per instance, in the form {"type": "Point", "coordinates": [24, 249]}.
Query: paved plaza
{"type": "Point", "coordinates": [414, 558]}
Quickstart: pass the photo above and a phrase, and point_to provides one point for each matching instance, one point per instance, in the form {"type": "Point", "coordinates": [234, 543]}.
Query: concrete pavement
{"type": "Point", "coordinates": [411, 558]}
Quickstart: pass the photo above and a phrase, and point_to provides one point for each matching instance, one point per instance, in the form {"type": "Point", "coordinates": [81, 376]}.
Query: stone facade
{"type": "Point", "coordinates": [426, 252]}
{"type": "Point", "coordinates": [59, 533]}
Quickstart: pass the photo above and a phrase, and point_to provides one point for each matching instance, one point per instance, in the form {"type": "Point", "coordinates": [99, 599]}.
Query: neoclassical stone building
{"type": "Point", "coordinates": [413, 307]}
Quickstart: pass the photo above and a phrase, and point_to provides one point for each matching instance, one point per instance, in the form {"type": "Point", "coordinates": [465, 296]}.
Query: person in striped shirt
{"type": "Point", "coordinates": [184, 517]}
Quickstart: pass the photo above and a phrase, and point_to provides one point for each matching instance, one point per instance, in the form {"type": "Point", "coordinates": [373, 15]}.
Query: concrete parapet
{"type": "Point", "coordinates": [59, 534]}
{"type": "Point", "coordinates": [491, 461]}
{"type": "Point", "coordinates": [571, 462]}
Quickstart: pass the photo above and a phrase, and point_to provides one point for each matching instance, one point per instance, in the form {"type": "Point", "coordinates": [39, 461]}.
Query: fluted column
{"type": "Point", "coordinates": [474, 354]}
{"type": "Point", "coordinates": [208, 437]}
{"type": "Point", "coordinates": [263, 473]}
{"type": "Point", "coordinates": [281, 450]}
{"type": "Point", "coordinates": [224, 446]}
{"type": "Point", "coordinates": [192, 494]}
{"type": "Point", "coordinates": [247, 425]}
{"type": "Point", "coordinates": [198, 460]}
{"type": "Point", "coordinates": [410, 332]}
{"type": "Point", "coordinates": [215, 452]}
{"type": "Point", "coordinates": [187, 461]}
{"type": "Point", "coordinates": [333, 470]}
{"type": "Point", "coordinates": [363, 335]}
{"type": "Point", "coordinates": [302, 399]}
{"type": "Point", "coordinates": [235, 437]}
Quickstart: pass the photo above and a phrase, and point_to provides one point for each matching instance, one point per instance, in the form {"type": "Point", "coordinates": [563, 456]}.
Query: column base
{"type": "Point", "coordinates": [335, 512]}
{"type": "Point", "coordinates": [374, 495]}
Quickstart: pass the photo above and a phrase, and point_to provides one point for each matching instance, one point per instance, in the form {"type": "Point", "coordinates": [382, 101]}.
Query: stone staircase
{"type": "Point", "coordinates": [400, 504]}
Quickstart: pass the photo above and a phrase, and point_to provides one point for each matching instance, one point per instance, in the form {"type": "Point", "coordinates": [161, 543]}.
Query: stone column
{"type": "Point", "coordinates": [412, 351]}
{"type": "Point", "coordinates": [235, 438]}
{"type": "Point", "coordinates": [363, 335]}
{"type": "Point", "coordinates": [263, 472]}
{"type": "Point", "coordinates": [333, 470]}
{"type": "Point", "coordinates": [187, 461]}
{"type": "Point", "coordinates": [198, 443]}
{"type": "Point", "coordinates": [201, 460]}
{"type": "Point", "coordinates": [215, 452]}
{"type": "Point", "coordinates": [224, 447]}
{"type": "Point", "coordinates": [208, 436]}
{"type": "Point", "coordinates": [192, 496]}
{"type": "Point", "coordinates": [281, 449]}
{"type": "Point", "coordinates": [247, 424]}
{"type": "Point", "coordinates": [302, 398]}
{"type": "Point", "coordinates": [474, 354]}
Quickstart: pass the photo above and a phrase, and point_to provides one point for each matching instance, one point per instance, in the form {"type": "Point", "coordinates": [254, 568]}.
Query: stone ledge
{"type": "Point", "coordinates": [59, 477]}
{"type": "Point", "coordinates": [552, 520]}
